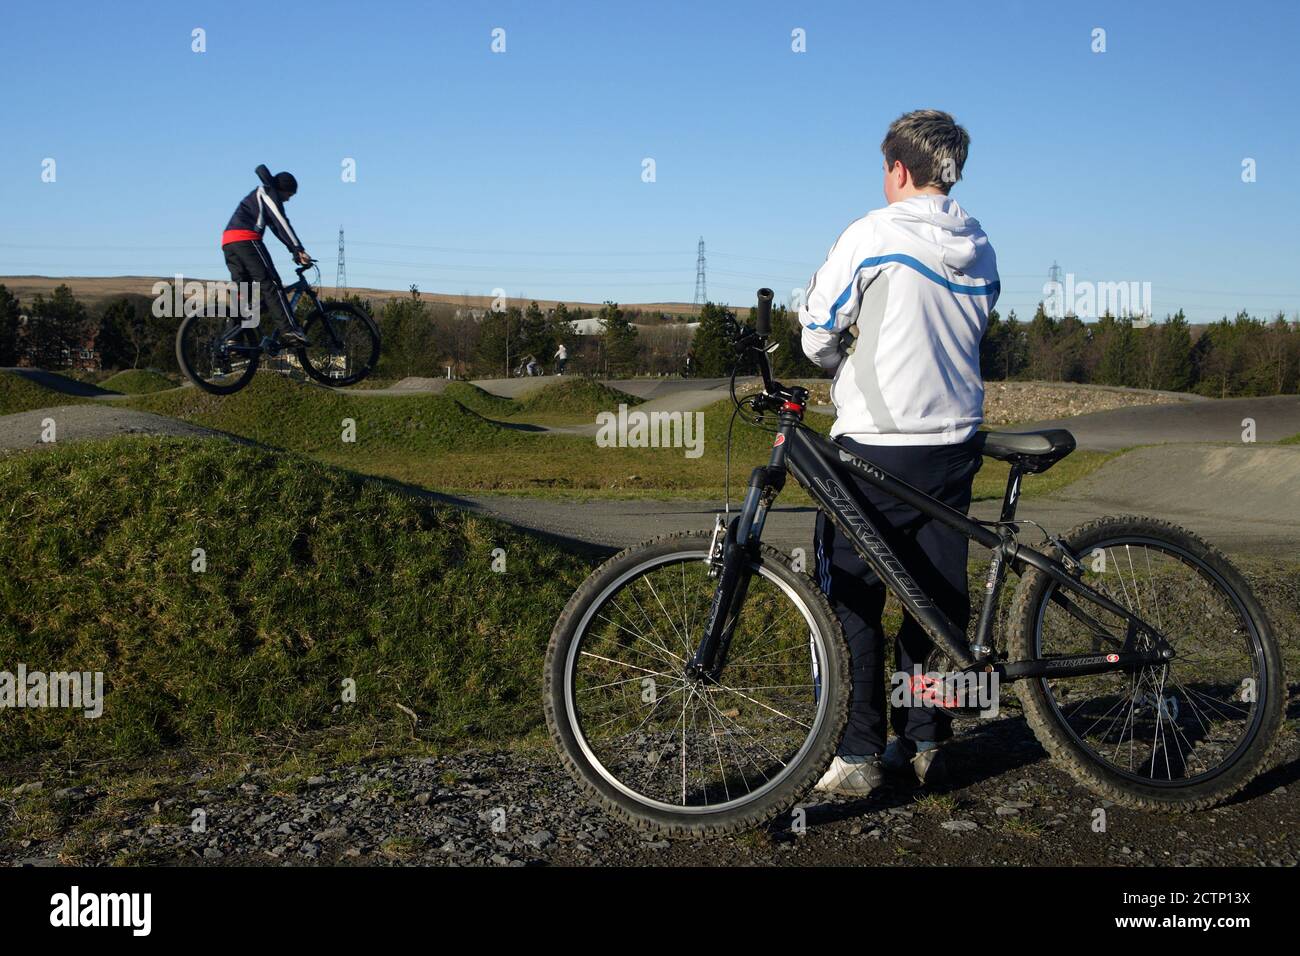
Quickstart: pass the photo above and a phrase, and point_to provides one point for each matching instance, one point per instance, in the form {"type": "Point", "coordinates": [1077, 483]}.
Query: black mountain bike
{"type": "Point", "coordinates": [220, 355]}
{"type": "Point", "coordinates": [699, 683]}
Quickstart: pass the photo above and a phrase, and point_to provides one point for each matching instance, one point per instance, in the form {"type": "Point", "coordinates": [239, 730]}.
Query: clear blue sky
{"type": "Point", "coordinates": [522, 170]}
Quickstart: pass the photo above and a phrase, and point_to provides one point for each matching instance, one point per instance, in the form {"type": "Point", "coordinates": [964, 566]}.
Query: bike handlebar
{"type": "Point", "coordinates": [756, 338]}
{"type": "Point", "coordinates": [763, 319]}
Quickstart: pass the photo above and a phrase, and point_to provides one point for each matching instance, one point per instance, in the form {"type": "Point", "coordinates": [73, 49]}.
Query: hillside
{"type": "Point", "coordinates": [94, 290]}
{"type": "Point", "coordinates": [137, 381]}
{"type": "Point", "coordinates": [18, 394]}
{"type": "Point", "coordinates": [313, 577]}
{"type": "Point", "coordinates": [276, 411]}
{"type": "Point", "coordinates": [570, 399]}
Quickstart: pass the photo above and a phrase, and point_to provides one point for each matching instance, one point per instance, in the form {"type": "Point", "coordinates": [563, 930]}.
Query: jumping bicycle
{"type": "Point", "coordinates": [219, 354]}
{"type": "Point", "coordinates": [699, 683]}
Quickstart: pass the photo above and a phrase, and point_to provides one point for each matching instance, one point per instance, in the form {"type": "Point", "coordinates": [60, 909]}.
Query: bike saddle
{"type": "Point", "coordinates": [1032, 451]}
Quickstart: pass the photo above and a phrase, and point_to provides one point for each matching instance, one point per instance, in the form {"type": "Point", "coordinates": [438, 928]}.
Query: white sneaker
{"type": "Point", "coordinates": [852, 776]}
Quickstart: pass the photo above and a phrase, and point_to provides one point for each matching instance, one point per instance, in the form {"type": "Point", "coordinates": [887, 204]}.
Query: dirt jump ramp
{"type": "Point", "coordinates": [1245, 482]}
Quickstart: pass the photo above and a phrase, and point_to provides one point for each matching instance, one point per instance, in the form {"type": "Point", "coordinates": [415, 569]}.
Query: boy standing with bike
{"type": "Point", "coordinates": [897, 313]}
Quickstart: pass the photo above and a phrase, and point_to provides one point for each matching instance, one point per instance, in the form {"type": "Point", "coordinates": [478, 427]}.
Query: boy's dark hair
{"type": "Point", "coordinates": [285, 184]}
{"type": "Point", "coordinates": [930, 144]}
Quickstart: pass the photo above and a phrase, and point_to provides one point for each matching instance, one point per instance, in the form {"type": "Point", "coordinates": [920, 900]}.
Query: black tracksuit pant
{"type": "Point", "coordinates": [249, 261]}
{"type": "Point", "coordinates": [934, 554]}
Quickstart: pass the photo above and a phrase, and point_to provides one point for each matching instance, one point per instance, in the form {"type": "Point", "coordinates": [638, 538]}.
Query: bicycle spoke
{"type": "Point", "coordinates": [673, 740]}
{"type": "Point", "coordinates": [1165, 723]}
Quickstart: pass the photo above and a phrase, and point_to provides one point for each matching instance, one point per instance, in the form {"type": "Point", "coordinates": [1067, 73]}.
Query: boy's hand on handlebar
{"type": "Point", "coordinates": [848, 339]}
{"type": "Point", "coordinates": [303, 259]}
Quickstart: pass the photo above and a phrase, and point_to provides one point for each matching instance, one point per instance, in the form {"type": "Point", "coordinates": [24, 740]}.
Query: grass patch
{"type": "Point", "coordinates": [936, 804]}
{"type": "Point", "coordinates": [991, 480]}
{"type": "Point", "coordinates": [371, 382]}
{"type": "Point", "coordinates": [479, 400]}
{"type": "Point", "coordinates": [574, 466]}
{"type": "Point", "coordinates": [273, 410]}
{"type": "Point", "coordinates": [570, 401]}
{"type": "Point", "coordinates": [454, 442]}
{"type": "Point", "coordinates": [575, 396]}
{"type": "Point", "coordinates": [137, 381]}
{"type": "Point", "coordinates": [18, 394]}
{"type": "Point", "coordinates": [1021, 827]}
{"type": "Point", "coordinates": [314, 577]}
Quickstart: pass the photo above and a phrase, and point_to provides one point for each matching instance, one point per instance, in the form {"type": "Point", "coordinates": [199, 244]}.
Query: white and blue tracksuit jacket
{"type": "Point", "coordinates": [918, 280]}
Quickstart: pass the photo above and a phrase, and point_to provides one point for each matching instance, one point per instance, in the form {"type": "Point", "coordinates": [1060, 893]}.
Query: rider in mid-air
{"type": "Point", "coordinates": [247, 256]}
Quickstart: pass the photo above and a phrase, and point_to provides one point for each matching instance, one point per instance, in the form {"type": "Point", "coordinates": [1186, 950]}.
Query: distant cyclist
{"type": "Point", "coordinates": [248, 259]}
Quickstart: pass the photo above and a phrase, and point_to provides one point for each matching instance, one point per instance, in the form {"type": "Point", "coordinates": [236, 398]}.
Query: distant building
{"type": "Point", "coordinates": [55, 351]}
{"type": "Point", "coordinates": [593, 326]}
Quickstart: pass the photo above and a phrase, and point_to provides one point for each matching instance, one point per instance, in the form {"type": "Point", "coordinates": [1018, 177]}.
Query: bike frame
{"type": "Point", "coordinates": [300, 288]}
{"type": "Point", "coordinates": [293, 293]}
{"type": "Point", "coordinates": [829, 473]}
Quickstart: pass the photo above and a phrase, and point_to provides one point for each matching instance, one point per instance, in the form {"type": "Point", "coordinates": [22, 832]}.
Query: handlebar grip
{"type": "Point", "coordinates": [763, 319]}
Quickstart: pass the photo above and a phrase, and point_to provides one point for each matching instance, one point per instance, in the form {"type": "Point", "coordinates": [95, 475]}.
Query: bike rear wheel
{"type": "Point", "coordinates": [216, 353]}
{"type": "Point", "coordinates": [675, 756]}
{"type": "Point", "coordinates": [1183, 735]}
{"type": "Point", "coordinates": [343, 344]}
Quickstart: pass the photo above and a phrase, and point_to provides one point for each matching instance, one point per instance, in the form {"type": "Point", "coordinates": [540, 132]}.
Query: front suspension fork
{"type": "Point", "coordinates": [731, 562]}
{"type": "Point", "coordinates": [731, 557]}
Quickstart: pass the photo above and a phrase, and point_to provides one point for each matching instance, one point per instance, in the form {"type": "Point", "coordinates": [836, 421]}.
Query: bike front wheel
{"type": "Point", "coordinates": [673, 755]}
{"type": "Point", "coordinates": [342, 345]}
{"type": "Point", "coordinates": [1182, 735]}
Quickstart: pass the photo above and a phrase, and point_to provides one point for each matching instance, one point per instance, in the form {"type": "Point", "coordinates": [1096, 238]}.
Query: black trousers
{"type": "Point", "coordinates": [936, 557]}
{"type": "Point", "coordinates": [249, 261]}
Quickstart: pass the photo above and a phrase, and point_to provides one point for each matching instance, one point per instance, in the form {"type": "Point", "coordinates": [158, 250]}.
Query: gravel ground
{"type": "Point", "coordinates": [1009, 805]}
{"type": "Point", "coordinates": [23, 431]}
{"type": "Point", "coordinates": [1006, 402]}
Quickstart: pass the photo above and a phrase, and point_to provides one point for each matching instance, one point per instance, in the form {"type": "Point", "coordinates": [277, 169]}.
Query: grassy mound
{"type": "Point", "coordinates": [137, 381]}
{"type": "Point", "coordinates": [18, 394]}
{"type": "Point", "coordinates": [313, 577]}
{"type": "Point", "coordinates": [479, 401]}
{"type": "Point", "coordinates": [276, 411]}
{"type": "Point", "coordinates": [574, 396]}
{"type": "Point", "coordinates": [570, 400]}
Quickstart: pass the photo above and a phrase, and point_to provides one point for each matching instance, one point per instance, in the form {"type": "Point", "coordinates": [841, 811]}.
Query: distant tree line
{"type": "Point", "coordinates": [59, 331]}
{"type": "Point", "coordinates": [716, 336]}
{"type": "Point", "coordinates": [1244, 355]}
{"type": "Point", "coordinates": [1239, 356]}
